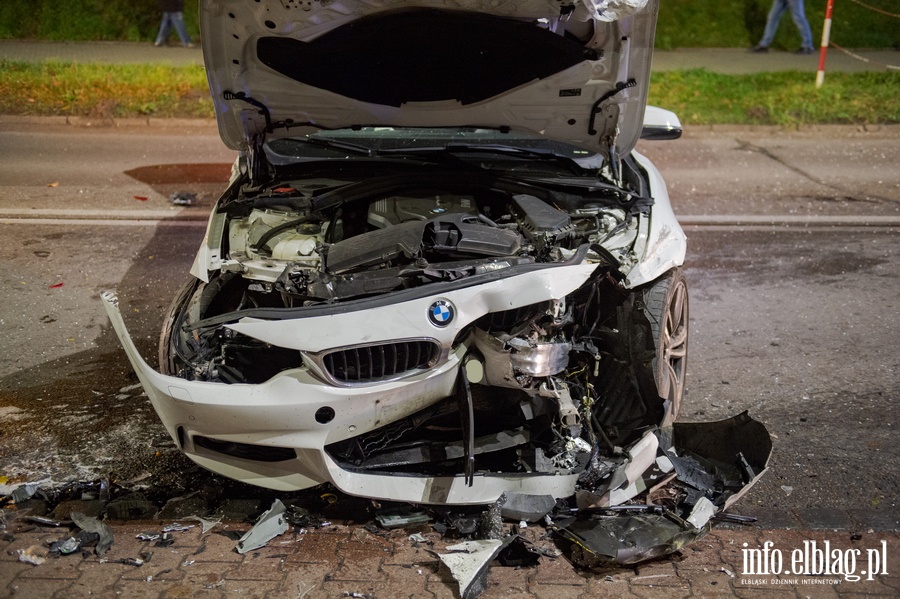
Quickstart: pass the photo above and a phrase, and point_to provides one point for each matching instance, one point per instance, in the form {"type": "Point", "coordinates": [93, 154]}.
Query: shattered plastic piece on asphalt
{"type": "Point", "coordinates": [93, 525]}
{"type": "Point", "coordinates": [177, 527]}
{"type": "Point", "coordinates": [65, 547]}
{"type": "Point", "coordinates": [469, 563]}
{"type": "Point", "coordinates": [166, 540]}
{"type": "Point", "coordinates": [31, 555]}
{"type": "Point", "coordinates": [24, 492]}
{"type": "Point", "coordinates": [271, 524]}
{"type": "Point", "coordinates": [530, 508]}
{"type": "Point", "coordinates": [147, 536]}
{"type": "Point", "coordinates": [702, 512]}
{"type": "Point", "coordinates": [299, 516]}
{"type": "Point", "coordinates": [205, 524]}
{"type": "Point", "coordinates": [398, 517]}
{"type": "Point", "coordinates": [131, 561]}
{"type": "Point", "coordinates": [183, 198]}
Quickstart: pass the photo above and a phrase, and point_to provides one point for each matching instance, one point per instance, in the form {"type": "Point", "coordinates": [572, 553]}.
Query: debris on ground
{"type": "Point", "coordinates": [92, 525]}
{"type": "Point", "coordinates": [271, 524]}
{"type": "Point", "coordinates": [183, 198]}
{"type": "Point", "coordinates": [468, 564]}
{"type": "Point", "coordinates": [402, 516]}
{"type": "Point", "coordinates": [206, 524]}
{"type": "Point", "coordinates": [34, 555]}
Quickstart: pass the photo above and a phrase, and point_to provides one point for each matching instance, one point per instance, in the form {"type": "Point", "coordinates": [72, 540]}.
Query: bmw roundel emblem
{"type": "Point", "coordinates": [441, 313]}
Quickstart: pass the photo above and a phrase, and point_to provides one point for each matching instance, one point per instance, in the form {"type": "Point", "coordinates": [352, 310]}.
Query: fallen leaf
{"type": "Point", "coordinates": [54, 184]}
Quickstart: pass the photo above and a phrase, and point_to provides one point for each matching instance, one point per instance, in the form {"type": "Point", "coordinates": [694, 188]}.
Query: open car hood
{"type": "Point", "coordinates": [575, 71]}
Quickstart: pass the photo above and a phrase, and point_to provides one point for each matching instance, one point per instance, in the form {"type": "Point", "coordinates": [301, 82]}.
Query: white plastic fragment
{"type": "Point", "coordinates": [271, 524]}
{"type": "Point", "coordinates": [205, 525]}
{"type": "Point", "coordinates": [703, 510]}
{"type": "Point", "coordinates": [468, 565]}
{"type": "Point", "coordinates": [30, 556]}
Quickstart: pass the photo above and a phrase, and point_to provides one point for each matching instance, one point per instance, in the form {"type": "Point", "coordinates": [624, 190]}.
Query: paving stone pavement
{"type": "Point", "coordinates": [347, 560]}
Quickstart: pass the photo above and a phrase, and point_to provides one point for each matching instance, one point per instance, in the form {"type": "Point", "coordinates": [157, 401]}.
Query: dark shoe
{"type": "Point", "coordinates": [759, 49]}
{"type": "Point", "coordinates": [805, 51]}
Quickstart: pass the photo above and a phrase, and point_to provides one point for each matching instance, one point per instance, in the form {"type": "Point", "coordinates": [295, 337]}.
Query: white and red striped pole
{"type": "Point", "coordinates": [823, 51]}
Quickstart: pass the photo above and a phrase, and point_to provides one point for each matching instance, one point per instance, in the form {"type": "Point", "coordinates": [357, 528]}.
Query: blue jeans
{"type": "Point", "coordinates": [168, 20]}
{"type": "Point", "coordinates": [797, 14]}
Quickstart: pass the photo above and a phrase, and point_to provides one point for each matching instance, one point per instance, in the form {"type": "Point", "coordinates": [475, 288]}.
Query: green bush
{"type": "Point", "coordinates": [87, 19]}
{"type": "Point", "coordinates": [730, 24]}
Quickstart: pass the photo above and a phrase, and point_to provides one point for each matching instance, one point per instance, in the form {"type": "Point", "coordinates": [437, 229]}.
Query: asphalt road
{"type": "Point", "coordinates": [795, 322]}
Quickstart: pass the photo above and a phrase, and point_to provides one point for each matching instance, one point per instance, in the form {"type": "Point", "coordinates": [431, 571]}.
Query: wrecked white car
{"type": "Point", "coordinates": [441, 273]}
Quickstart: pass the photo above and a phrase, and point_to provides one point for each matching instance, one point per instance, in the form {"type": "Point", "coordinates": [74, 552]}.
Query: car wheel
{"type": "Point", "coordinates": [666, 304]}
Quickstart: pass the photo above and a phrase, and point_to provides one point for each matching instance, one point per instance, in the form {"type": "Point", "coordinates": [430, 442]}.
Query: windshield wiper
{"type": "Point", "coordinates": [333, 144]}
{"type": "Point", "coordinates": [453, 148]}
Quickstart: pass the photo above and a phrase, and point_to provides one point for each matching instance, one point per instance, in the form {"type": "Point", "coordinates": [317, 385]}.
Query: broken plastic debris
{"type": "Point", "coordinates": [56, 285]}
{"type": "Point", "coordinates": [205, 524]}
{"type": "Point", "coordinates": [469, 564]}
{"type": "Point", "coordinates": [141, 198]}
{"type": "Point", "coordinates": [787, 489]}
{"type": "Point", "coordinates": [65, 547]}
{"type": "Point", "coordinates": [398, 517]}
{"type": "Point", "coordinates": [177, 527]}
{"type": "Point", "coordinates": [26, 491]}
{"type": "Point", "coordinates": [147, 536]}
{"type": "Point", "coordinates": [417, 538]}
{"type": "Point", "coordinates": [183, 198]}
{"type": "Point", "coordinates": [530, 508]}
{"type": "Point", "coordinates": [54, 184]}
{"type": "Point", "coordinates": [90, 524]}
{"type": "Point", "coordinates": [271, 524]}
{"type": "Point", "coordinates": [32, 555]}
{"type": "Point", "coordinates": [702, 512]}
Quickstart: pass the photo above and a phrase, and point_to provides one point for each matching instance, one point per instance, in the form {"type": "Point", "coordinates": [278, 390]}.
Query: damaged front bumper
{"type": "Point", "coordinates": [275, 434]}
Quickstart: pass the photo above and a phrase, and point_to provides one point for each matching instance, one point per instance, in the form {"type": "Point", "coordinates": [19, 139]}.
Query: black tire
{"type": "Point", "coordinates": [666, 306]}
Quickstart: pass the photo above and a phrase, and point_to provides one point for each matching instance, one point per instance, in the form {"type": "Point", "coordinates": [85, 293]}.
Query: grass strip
{"type": "Point", "coordinates": [699, 97]}
{"type": "Point", "coordinates": [103, 91]}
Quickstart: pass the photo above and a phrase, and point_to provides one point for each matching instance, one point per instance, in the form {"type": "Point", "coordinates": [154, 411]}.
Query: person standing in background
{"type": "Point", "coordinates": [798, 14]}
{"type": "Point", "coordinates": [172, 15]}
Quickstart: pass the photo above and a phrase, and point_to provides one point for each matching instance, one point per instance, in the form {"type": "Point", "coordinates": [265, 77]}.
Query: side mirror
{"type": "Point", "coordinates": [660, 123]}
